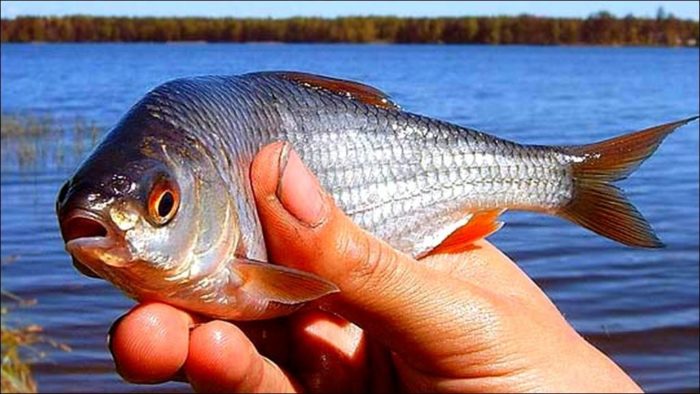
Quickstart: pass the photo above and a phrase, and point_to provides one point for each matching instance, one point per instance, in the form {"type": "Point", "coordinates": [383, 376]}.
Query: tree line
{"type": "Point", "coordinates": [599, 29]}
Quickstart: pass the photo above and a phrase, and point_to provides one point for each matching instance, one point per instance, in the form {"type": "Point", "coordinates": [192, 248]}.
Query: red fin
{"type": "Point", "coordinates": [481, 225]}
{"type": "Point", "coordinates": [616, 158]}
{"type": "Point", "coordinates": [284, 285]}
{"type": "Point", "coordinates": [600, 206]}
{"type": "Point", "coordinates": [354, 90]}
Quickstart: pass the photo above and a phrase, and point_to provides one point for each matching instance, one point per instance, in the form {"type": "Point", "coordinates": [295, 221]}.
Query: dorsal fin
{"type": "Point", "coordinates": [341, 87]}
{"type": "Point", "coordinates": [481, 225]}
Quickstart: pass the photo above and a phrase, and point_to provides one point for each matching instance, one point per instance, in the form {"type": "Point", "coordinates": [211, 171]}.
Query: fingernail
{"type": "Point", "coordinates": [299, 190]}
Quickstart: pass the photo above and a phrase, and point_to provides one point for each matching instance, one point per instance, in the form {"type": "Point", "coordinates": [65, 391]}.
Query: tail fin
{"type": "Point", "coordinates": [600, 206]}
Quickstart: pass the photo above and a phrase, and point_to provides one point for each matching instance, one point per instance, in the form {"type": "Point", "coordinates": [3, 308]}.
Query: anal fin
{"type": "Point", "coordinates": [481, 225]}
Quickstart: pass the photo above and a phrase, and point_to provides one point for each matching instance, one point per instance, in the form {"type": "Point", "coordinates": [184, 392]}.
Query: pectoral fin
{"type": "Point", "coordinates": [281, 284]}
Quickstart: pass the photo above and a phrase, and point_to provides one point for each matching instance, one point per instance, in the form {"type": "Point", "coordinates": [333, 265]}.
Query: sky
{"type": "Point", "coordinates": [281, 9]}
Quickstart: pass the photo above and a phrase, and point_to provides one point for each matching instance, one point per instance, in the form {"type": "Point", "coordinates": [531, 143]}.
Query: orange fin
{"type": "Point", "coordinates": [481, 225]}
{"type": "Point", "coordinates": [600, 206]}
{"type": "Point", "coordinates": [284, 285]}
{"type": "Point", "coordinates": [616, 158]}
{"type": "Point", "coordinates": [350, 89]}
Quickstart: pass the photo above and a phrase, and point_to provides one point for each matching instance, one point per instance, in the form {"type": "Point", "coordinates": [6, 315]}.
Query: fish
{"type": "Point", "coordinates": [163, 207]}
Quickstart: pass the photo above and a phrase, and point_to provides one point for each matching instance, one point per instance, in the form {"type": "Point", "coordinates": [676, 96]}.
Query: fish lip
{"type": "Point", "coordinates": [110, 243]}
{"type": "Point", "coordinates": [83, 213]}
{"type": "Point", "coordinates": [89, 242]}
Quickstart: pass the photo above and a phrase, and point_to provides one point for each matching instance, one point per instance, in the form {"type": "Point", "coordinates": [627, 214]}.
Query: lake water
{"type": "Point", "coordinates": [639, 306]}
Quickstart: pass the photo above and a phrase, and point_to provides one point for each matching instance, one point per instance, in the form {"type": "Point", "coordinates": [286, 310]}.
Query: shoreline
{"type": "Point", "coordinates": [600, 28]}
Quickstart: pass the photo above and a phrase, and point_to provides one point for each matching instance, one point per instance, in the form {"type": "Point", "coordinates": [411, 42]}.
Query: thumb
{"type": "Point", "coordinates": [418, 312]}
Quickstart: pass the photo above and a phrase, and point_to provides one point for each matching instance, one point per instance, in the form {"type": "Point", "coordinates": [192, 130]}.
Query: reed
{"type": "Point", "coordinates": [16, 373]}
{"type": "Point", "coordinates": [26, 125]}
{"type": "Point", "coordinates": [20, 345]}
{"type": "Point", "coordinates": [29, 139]}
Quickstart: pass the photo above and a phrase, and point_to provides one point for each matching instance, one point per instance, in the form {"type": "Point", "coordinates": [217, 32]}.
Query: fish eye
{"type": "Point", "coordinates": [166, 204]}
{"type": "Point", "coordinates": [163, 202]}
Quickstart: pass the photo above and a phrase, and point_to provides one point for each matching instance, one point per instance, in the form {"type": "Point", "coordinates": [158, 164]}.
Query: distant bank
{"type": "Point", "coordinates": [599, 29]}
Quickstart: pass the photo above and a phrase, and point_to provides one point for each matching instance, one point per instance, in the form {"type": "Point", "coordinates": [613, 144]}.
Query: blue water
{"type": "Point", "coordinates": [639, 306]}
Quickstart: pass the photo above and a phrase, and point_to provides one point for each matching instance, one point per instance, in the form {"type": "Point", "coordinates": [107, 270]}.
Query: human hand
{"type": "Point", "coordinates": [467, 322]}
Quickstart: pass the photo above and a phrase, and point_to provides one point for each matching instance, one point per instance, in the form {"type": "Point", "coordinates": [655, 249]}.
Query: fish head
{"type": "Point", "coordinates": [147, 210]}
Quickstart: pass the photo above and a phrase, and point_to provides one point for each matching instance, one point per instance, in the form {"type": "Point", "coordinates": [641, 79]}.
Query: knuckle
{"type": "Point", "coordinates": [370, 262]}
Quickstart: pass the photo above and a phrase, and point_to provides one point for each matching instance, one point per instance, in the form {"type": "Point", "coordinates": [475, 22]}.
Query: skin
{"type": "Point", "coordinates": [463, 322]}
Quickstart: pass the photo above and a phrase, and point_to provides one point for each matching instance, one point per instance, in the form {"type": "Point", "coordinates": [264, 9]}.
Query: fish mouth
{"type": "Point", "coordinates": [92, 242]}
{"type": "Point", "coordinates": [82, 227]}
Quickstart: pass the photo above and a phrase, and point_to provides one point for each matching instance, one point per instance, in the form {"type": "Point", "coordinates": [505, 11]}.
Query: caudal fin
{"type": "Point", "coordinates": [600, 206]}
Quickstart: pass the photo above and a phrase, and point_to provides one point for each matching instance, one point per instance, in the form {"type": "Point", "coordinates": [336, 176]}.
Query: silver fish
{"type": "Point", "coordinates": [163, 207]}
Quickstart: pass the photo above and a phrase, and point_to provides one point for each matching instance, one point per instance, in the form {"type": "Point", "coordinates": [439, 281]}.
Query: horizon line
{"type": "Point", "coordinates": [592, 14]}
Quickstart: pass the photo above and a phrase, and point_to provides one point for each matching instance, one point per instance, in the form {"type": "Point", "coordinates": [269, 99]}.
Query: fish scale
{"type": "Point", "coordinates": [422, 185]}
{"type": "Point", "coordinates": [432, 173]}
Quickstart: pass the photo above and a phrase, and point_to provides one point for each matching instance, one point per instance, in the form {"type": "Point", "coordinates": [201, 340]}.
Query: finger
{"type": "Point", "coordinates": [149, 344]}
{"type": "Point", "coordinates": [382, 377]}
{"type": "Point", "coordinates": [271, 338]}
{"type": "Point", "coordinates": [330, 353]}
{"type": "Point", "coordinates": [222, 359]}
{"type": "Point", "coordinates": [399, 301]}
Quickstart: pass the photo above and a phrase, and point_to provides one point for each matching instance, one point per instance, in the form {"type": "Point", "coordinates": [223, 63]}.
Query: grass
{"type": "Point", "coordinates": [30, 139]}
{"type": "Point", "coordinates": [16, 373]}
{"type": "Point", "coordinates": [20, 346]}
{"type": "Point", "coordinates": [29, 125]}
{"type": "Point", "coordinates": [14, 125]}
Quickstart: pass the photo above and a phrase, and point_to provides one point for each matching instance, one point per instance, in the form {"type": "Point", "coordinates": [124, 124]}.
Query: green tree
{"type": "Point", "coordinates": [599, 29]}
